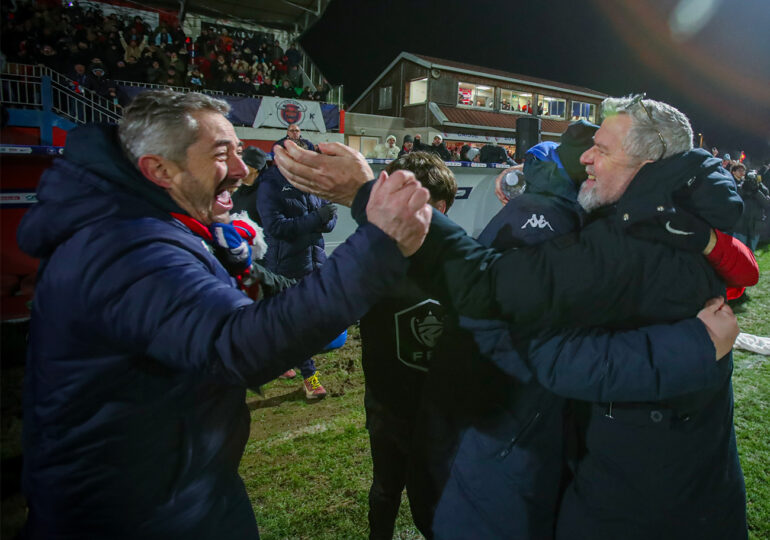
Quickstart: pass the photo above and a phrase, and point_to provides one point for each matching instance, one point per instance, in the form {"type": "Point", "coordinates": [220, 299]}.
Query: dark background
{"type": "Point", "coordinates": [718, 75]}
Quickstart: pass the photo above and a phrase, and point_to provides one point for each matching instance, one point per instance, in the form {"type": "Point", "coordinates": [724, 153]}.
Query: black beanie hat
{"type": "Point", "coordinates": [408, 138]}
{"type": "Point", "coordinates": [254, 157]}
{"type": "Point", "coordinates": [577, 139]}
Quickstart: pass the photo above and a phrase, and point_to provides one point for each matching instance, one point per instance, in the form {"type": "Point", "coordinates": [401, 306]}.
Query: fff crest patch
{"type": "Point", "coordinates": [290, 111]}
{"type": "Point", "coordinates": [417, 331]}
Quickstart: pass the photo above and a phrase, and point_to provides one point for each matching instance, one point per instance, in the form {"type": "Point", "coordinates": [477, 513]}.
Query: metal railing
{"type": "Point", "coordinates": [179, 88]}
{"type": "Point", "coordinates": [30, 87]}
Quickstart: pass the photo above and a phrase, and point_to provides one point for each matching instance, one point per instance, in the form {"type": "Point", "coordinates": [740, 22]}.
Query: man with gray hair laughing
{"type": "Point", "coordinates": [141, 344]}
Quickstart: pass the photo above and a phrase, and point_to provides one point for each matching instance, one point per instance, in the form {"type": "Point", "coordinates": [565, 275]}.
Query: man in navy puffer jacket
{"type": "Point", "coordinates": [294, 223]}
{"type": "Point", "coordinates": [141, 346]}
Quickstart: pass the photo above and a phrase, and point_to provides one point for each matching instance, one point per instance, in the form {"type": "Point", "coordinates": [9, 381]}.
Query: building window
{"type": "Point", "coordinates": [476, 95]}
{"type": "Point", "coordinates": [515, 101]}
{"type": "Point", "coordinates": [386, 97]}
{"type": "Point", "coordinates": [583, 111]}
{"type": "Point", "coordinates": [551, 107]}
{"type": "Point", "coordinates": [416, 91]}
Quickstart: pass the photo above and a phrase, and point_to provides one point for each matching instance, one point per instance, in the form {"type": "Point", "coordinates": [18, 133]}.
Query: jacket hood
{"type": "Point", "coordinates": [93, 181]}
{"type": "Point", "coordinates": [545, 174]}
{"type": "Point", "coordinates": [693, 181]}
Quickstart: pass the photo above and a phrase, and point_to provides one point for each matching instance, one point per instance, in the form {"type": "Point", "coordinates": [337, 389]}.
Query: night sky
{"type": "Point", "coordinates": [717, 72]}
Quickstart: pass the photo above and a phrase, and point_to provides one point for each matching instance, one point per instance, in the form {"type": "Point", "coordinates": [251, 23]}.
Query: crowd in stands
{"type": "Point", "coordinates": [96, 50]}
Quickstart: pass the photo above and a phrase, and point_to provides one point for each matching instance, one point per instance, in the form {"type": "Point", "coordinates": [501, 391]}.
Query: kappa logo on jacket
{"type": "Point", "coordinates": [537, 223]}
{"type": "Point", "coordinates": [286, 188]}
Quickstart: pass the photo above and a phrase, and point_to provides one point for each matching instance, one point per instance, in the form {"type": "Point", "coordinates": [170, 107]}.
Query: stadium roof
{"type": "Point", "coordinates": [291, 15]}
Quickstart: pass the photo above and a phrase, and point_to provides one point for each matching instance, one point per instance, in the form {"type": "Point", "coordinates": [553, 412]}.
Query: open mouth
{"type": "Point", "coordinates": [224, 200]}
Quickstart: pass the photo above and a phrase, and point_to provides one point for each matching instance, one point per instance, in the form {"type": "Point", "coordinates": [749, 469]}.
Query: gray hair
{"type": "Point", "coordinates": [161, 122]}
{"type": "Point", "coordinates": [642, 141]}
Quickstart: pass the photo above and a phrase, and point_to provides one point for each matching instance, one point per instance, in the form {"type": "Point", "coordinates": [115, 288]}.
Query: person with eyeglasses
{"type": "Point", "coordinates": [647, 468]}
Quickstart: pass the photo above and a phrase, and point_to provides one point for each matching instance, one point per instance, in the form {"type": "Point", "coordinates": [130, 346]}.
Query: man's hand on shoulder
{"type": "Point", "coordinates": [722, 325]}
{"type": "Point", "coordinates": [398, 206]}
{"type": "Point", "coordinates": [335, 175]}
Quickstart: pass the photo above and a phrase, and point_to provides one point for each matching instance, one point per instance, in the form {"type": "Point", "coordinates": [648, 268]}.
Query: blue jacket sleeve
{"type": "Point", "coordinates": [271, 206]}
{"type": "Point", "coordinates": [188, 319]}
{"type": "Point", "coordinates": [649, 364]}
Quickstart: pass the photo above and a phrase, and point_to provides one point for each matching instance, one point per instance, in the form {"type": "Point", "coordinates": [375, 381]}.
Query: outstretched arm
{"type": "Point", "coordinates": [648, 364]}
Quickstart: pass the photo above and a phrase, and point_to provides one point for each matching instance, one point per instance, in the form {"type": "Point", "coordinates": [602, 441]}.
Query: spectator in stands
{"type": "Point", "coordinates": [225, 42]}
{"type": "Point", "coordinates": [161, 37]}
{"type": "Point", "coordinates": [293, 56]}
{"type": "Point", "coordinates": [172, 59]}
{"type": "Point", "coordinates": [439, 147]}
{"type": "Point", "coordinates": [205, 63]}
{"type": "Point", "coordinates": [472, 154]}
{"type": "Point", "coordinates": [80, 77]}
{"type": "Point", "coordinates": [132, 48]}
{"type": "Point", "coordinates": [155, 73]}
{"type": "Point", "coordinates": [229, 86]}
{"type": "Point", "coordinates": [295, 76]}
{"type": "Point", "coordinates": [406, 147]}
{"type": "Point", "coordinates": [268, 88]}
{"type": "Point", "coordinates": [97, 72]}
{"type": "Point", "coordinates": [323, 91]}
{"type": "Point", "coordinates": [49, 58]}
{"type": "Point", "coordinates": [286, 90]}
{"type": "Point", "coordinates": [276, 52]}
{"type": "Point", "coordinates": [195, 79]}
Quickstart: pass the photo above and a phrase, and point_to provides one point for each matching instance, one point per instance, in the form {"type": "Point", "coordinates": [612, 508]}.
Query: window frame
{"type": "Point", "coordinates": [407, 92]}
{"type": "Point", "coordinates": [519, 93]}
{"type": "Point", "coordinates": [590, 106]}
{"type": "Point", "coordinates": [385, 91]}
{"type": "Point", "coordinates": [474, 97]}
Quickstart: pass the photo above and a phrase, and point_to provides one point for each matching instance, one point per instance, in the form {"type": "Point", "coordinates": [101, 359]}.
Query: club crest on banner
{"type": "Point", "coordinates": [290, 111]}
{"type": "Point", "coordinates": [417, 331]}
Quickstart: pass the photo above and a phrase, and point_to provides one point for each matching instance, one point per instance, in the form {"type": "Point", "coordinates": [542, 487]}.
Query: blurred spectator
{"type": "Point", "coordinates": [286, 90]}
{"type": "Point", "coordinates": [80, 77]}
{"type": "Point", "coordinates": [195, 79]}
{"type": "Point", "coordinates": [293, 56]}
{"type": "Point", "coordinates": [49, 58]}
{"type": "Point", "coordinates": [268, 88]}
{"type": "Point", "coordinates": [295, 76]}
{"type": "Point", "coordinates": [388, 150]}
{"type": "Point", "coordinates": [323, 91]}
{"type": "Point", "coordinates": [276, 51]}
{"type": "Point", "coordinates": [293, 223]}
{"type": "Point", "coordinates": [756, 200]}
{"type": "Point", "coordinates": [492, 153]}
{"type": "Point", "coordinates": [406, 147]}
{"type": "Point", "coordinates": [132, 48]}
{"type": "Point", "coordinates": [472, 154]}
{"type": "Point", "coordinates": [155, 73]}
{"type": "Point", "coordinates": [438, 147]}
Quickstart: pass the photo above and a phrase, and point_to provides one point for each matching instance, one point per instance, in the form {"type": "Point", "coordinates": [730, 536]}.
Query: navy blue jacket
{"type": "Point", "coordinates": [508, 456]}
{"type": "Point", "coordinates": [637, 283]}
{"type": "Point", "coordinates": [663, 469]}
{"type": "Point", "coordinates": [293, 228]}
{"type": "Point", "coordinates": [141, 348]}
